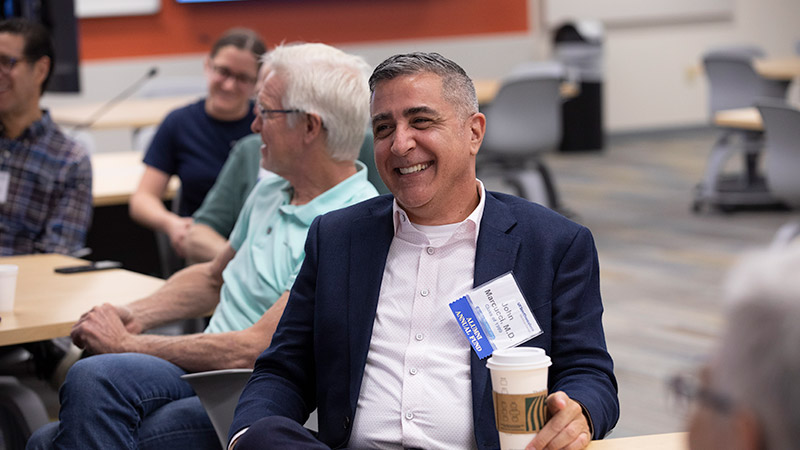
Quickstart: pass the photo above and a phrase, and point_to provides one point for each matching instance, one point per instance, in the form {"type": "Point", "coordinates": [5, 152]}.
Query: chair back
{"type": "Point", "coordinates": [525, 116]}
{"type": "Point", "coordinates": [782, 164]}
{"type": "Point", "coordinates": [367, 156]}
{"type": "Point", "coordinates": [734, 83]}
{"type": "Point", "coordinates": [219, 391]}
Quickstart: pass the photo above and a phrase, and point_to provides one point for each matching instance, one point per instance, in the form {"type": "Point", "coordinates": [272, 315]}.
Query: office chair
{"type": "Point", "coordinates": [734, 83]}
{"type": "Point", "coordinates": [21, 413]}
{"type": "Point", "coordinates": [219, 391]}
{"type": "Point", "coordinates": [168, 259]}
{"type": "Point", "coordinates": [782, 164]}
{"type": "Point", "coordinates": [523, 122]}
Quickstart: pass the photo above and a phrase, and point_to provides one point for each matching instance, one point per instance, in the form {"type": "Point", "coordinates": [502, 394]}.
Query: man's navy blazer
{"type": "Point", "coordinates": [318, 353]}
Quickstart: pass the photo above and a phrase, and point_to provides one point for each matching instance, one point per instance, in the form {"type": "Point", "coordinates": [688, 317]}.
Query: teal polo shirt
{"type": "Point", "coordinates": [269, 238]}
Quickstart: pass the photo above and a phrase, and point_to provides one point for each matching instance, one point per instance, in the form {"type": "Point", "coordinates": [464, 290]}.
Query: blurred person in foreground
{"type": "Point", "coordinates": [368, 338]}
{"type": "Point", "coordinates": [747, 396]}
{"type": "Point", "coordinates": [312, 108]}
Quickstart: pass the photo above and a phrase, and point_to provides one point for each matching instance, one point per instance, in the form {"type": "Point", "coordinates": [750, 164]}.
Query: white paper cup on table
{"type": "Point", "coordinates": [8, 286]}
{"type": "Point", "coordinates": [519, 387]}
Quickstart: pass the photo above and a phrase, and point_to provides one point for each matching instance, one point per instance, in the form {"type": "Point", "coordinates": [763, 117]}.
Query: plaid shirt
{"type": "Point", "coordinates": [49, 204]}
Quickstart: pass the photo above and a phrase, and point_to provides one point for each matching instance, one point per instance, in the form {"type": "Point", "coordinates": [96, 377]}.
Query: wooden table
{"type": "Point", "coordinates": [668, 441]}
{"type": "Point", "coordinates": [741, 118]}
{"type": "Point", "coordinates": [47, 304]}
{"type": "Point", "coordinates": [130, 113]}
{"type": "Point", "coordinates": [778, 68]}
{"type": "Point", "coordinates": [115, 176]}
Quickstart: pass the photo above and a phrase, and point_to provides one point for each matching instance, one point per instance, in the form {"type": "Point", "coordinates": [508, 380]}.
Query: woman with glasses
{"type": "Point", "coordinates": [193, 142]}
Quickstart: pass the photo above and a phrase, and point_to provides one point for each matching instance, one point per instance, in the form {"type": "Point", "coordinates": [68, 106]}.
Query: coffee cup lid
{"type": "Point", "coordinates": [519, 358]}
{"type": "Point", "coordinates": [8, 269]}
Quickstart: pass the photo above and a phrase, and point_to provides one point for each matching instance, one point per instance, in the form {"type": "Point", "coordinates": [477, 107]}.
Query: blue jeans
{"type": "Point", "coordinates": [127, 401]}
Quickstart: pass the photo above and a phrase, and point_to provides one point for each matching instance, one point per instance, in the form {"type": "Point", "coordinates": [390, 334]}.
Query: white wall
{"type": "Point", "coordinates": [648, 77]}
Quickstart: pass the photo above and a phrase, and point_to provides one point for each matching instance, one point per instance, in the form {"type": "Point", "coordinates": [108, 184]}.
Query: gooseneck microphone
{"type": "Point", "coordinates": [130, 90]}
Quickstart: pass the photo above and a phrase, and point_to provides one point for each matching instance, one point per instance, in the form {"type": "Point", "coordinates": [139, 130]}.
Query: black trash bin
{"type": "Point", "coordinates": [579, 46]}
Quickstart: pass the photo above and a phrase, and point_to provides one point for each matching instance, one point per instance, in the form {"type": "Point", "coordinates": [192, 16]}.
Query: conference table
{"type": "Point", "coordinates": [142, 112]}
{"type": "Point", "coordinates": [47, 304]}
{"type": "Point", "coordinates": [130, 113]}
{"type": "Point", "coordinates": [116, 175]}
{"type": "Point", "coordinates": [667, 441]}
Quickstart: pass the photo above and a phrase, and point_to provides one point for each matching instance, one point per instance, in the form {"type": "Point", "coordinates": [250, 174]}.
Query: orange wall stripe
{"type": "Point", "coordinates": [191, 28]}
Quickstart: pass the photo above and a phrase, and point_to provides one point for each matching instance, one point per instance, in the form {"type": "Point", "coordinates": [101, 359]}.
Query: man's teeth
{"type": "Point", "coordinates": [412, 169]}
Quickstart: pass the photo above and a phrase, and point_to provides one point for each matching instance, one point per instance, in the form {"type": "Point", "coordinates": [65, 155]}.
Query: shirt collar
{"type": "Point", "coordinates": [36, 129]}
{"type": "Point", "coordinates": [403, 224]}
{"type": "Point", "coordinates": [333, 198]}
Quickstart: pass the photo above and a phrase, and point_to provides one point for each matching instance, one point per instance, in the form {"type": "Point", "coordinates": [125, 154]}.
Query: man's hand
{"type": "Point", "coordinates": [566, 427]}
{"type": "Point", "coordinates": [105, 329]}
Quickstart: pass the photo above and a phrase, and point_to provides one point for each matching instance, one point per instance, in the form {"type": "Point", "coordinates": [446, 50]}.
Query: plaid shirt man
{"type": "Point", "coordinates": [48, 204]}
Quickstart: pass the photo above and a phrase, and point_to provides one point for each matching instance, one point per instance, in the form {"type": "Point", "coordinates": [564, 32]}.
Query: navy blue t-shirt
{"type": "Point", "coordinates": [193, 145]}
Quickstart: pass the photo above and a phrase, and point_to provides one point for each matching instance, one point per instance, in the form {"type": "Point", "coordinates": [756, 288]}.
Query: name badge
{"type": "Point", "coordinates": [495, 315]}
{"type": "Point", "coordinates": [5, 180]}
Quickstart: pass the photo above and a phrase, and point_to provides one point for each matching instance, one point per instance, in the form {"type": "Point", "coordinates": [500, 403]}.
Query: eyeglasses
{"type": "Point", "coordinates": [688, 389]}
{"type": "Point", "coordinates": [264, 113]}
{"type": "Point", "coordinates": [7, 63]}
{"type": "Point", "coordinates": [225, 73]}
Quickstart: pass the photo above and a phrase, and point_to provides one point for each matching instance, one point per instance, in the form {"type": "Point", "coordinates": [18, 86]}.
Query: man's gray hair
{"type": "Point", "coordinates": [457, 87]}
{"type": "Point", "coordinates": [330, 83]}
{"type": "Point", "coordinates": [759, 359]}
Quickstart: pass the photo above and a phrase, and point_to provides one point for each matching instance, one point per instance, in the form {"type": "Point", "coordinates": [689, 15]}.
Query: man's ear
{"type": "Point", "coordinates": [313, 127]}
{"type": "Point", "coordinates": [40, 69]}
{"type": "Point", "coordinates": [477, 128]}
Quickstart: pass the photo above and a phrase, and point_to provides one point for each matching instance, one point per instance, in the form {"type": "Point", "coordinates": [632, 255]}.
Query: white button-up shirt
{"type": "Point", "coordinates": [417, 388]}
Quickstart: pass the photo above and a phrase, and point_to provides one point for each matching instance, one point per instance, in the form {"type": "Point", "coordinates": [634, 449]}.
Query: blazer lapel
{"type": "Point", "coordinates": [368, 252]}
{"type": "Point", "coordinates": [495, 255]}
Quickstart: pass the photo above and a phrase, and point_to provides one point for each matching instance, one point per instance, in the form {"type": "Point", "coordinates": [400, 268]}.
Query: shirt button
{"type": "Point", "coordinates": [402, 218]}
{"type": "Point", "coordinates": [269, 230]}
{"type": "Point", "coordinates": [419, 336]}
{"type": "Point", "coordinates": [424, 292]}
{"type": "Point", "coordinates": [409, 415]}
{"type": "Point", "coordinates": [413, 371]}
{"type": "Point", "coordinates": [430, 250]}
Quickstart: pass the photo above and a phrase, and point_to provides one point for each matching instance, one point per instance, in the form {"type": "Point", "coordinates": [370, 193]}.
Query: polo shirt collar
{"type": "Point", "coordinates": [329, 200]}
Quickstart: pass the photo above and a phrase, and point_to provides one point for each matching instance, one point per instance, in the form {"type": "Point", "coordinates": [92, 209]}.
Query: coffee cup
{"type": "Point", "coordinates": [519, 387]}
{"type": "Point", "coordinates": [8, 286]}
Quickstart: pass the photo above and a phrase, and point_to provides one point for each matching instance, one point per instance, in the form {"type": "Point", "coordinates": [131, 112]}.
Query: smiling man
{"type": "Point", "coordinates": [367, 336]}
{"type": "Point", "coordinates": [311, 113]}
{"type": "Point", "coordinates": [45, 177]}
